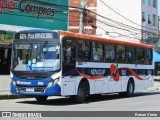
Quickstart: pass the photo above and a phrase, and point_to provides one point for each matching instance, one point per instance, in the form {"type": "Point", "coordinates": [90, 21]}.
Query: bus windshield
{"type": "Point", "coordinates": [36, 57]}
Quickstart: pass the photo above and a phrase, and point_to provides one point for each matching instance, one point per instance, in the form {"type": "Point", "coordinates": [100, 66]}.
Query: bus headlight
{"type": "Point", "coordinates": [56, 81]}
{"type": "Point", "coordinates": [50, 84]}
{"type": "Point", "coordinates": [53, 82]}
{"type": "Point", "coordinates": [56, 75]}
{"type": "Point", "coordinates": [14, 83]}
{"type": "Point", "coordinates": [11, 74]}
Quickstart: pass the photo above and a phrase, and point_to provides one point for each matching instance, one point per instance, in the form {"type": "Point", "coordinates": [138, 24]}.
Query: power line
{"type": "Point", "coordinates": [115, 22]}
{"type": "Point", "coordinates": [67, 6]}
{"type": "Point", "coordinates": [124, 16]}
{"type": "Point", "coordinates": [127, 36]}
{"type": "Point", "coordinates": [111, 25]}
{"type": "Point", "coordinates": [121, 24]}
{"type": "Point", "coordinates": [131, 33]}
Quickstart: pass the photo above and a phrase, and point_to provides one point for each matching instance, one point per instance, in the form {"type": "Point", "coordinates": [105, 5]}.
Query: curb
{"type": "Point", "coordinates": [13, 96]}
{"type": "Point", "coordinates": [157, 80]}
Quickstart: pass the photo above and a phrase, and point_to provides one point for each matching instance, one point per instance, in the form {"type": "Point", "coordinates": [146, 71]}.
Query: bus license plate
{"type": "Point", "coordinates": [29, 89]}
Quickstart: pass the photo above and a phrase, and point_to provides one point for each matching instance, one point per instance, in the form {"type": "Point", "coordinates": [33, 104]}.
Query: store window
{"type": "Point", "coordinates": [143, 17]}
{"type": "Point", "coordinates": [155, 3]}
{"type": "Point", "coordinates": [154, 20]}
{"type": "Point", "coordinates": [149, 2]}
{"type": "Point", "coordinates": [149, 19]}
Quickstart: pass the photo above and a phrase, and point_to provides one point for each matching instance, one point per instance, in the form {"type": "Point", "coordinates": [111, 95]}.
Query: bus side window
{"type": "Point", "coordinates": [140, 55]}
{"type": "Point", "coordinates": [97, 52]}
{"type": "Point", "coordinates": [131, 56]}
{"type": "Point", "coordinates": [109, 53]}
{"type": "Point", "coordinates": [84, 52]}
{"type": "Point", "coordinates": [121, 54]}
{"type": "Point", "coordinates": [147, 55]}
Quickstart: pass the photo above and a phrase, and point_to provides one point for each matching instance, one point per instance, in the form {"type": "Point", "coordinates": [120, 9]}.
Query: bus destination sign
{"type": "Point", "coordinates": [36, 36]}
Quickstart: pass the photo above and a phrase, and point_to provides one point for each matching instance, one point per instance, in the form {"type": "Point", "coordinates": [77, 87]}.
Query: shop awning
{"type": "Point", "coordinates": [156, 56]}
{"type": "Point", "coordinates": [5, 45]}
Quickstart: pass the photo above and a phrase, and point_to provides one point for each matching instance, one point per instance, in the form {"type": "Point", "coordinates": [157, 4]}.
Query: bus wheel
{"type": "Point", "coordinates": [81, 94]}
{"type": "Point", "coordinates": [41, 98]}
{"type": "Point", "coordinates": [130, 90]}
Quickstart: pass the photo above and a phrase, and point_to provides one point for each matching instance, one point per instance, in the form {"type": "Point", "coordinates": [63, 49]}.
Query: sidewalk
{"type": "Point", "coordinates": [5, 87]}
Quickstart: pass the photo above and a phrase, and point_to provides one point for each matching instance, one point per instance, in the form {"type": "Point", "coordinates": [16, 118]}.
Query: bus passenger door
{"type": "Point", "coordinates": [68, 66]}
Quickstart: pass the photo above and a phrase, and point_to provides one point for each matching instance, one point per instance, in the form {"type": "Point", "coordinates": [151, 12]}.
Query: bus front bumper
{"type": "Point", "coordinates": [53, 90]}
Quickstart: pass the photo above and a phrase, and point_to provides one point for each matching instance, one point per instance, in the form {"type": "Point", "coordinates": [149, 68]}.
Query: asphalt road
{"type": "Point", "coordinates": [142, 101]}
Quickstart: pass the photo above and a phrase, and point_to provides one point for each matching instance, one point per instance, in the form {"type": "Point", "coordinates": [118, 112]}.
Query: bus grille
{"type": "Point", "coordinates": [35, 89]}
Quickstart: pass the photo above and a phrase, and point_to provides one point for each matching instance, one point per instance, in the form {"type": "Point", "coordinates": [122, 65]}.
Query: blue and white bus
{"type": "Point", "coordinates": [57, 63]}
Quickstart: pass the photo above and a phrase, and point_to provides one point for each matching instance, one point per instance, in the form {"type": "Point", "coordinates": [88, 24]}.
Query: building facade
{"type": "Point", "coordinates": [89, 17]}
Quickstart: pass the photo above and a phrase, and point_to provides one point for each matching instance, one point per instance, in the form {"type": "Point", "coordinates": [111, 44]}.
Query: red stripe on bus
{"type": "Point", "coordinates": [135, 74]}
{"type": "Point", "coordinates": [114, 72]}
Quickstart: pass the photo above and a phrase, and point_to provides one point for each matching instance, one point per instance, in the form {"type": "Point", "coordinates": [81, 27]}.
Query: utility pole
{"type": "Point", "coordinates": [82, 16]}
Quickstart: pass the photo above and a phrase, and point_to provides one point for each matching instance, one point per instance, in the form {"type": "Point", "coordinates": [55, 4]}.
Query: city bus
{"type": "Point", "coordinates": [59, 63]}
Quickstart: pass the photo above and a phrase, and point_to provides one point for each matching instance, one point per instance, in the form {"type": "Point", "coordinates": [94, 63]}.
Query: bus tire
{"type": "Point", "coordinates": [81, 93]}
{"type": "Point", "coordinates": [41, 98]}
{"type": "Point", "coordinates": [130, 90]}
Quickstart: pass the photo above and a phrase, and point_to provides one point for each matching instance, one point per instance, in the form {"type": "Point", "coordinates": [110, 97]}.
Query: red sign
{"type": "Point", "coordinates": [10, 5]}
{"type": "Point", "coordinates": [26, 8]}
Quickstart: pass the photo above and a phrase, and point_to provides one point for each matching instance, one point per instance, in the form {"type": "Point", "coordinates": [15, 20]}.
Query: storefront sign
{"type": "Point", "coordinates": [33, 13]}
{"type": "Point", "coordinates": [26, 8]}
{"type": "Point", "coordinates": [36, 9]}
{"type": "Point", "coordinates": [9, 5]}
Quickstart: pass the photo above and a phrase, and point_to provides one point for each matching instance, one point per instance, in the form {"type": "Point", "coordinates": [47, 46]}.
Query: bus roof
{"type": "Point", "coordinates": [90, 37]}
{"type": "Point", "coordinates": [35, 30]}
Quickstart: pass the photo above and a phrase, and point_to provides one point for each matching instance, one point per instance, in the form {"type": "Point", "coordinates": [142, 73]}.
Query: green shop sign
{"type": "Point", "coordinates": [49, 14]}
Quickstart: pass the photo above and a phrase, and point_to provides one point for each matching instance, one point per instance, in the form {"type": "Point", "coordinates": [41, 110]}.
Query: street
{"type": "Point", "coordinates": [142, 101]}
